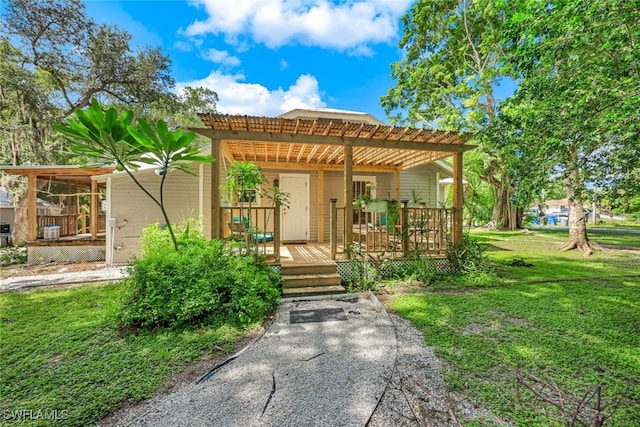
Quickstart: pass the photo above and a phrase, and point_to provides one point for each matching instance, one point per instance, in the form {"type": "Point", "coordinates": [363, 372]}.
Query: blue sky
{"type": "Point", "coordinates": [265, 57]}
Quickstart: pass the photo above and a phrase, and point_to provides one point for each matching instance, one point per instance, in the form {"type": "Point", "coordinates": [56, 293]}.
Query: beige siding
{"type": "Point", "coordinates": [422, 179]}
{"type": "Point", "coordinates": [130, 203]}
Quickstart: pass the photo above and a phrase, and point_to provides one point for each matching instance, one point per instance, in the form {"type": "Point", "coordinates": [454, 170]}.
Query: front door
{"type": "Point", "coordinates": [295, 219]}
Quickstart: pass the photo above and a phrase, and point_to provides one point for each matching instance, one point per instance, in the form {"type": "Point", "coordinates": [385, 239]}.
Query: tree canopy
{"type": "Point", "coordinates": [448, 77]}
{"type": "Point", "coordinates": [578, 103]}
{"type": "Point", "coordinates": [574, 116]}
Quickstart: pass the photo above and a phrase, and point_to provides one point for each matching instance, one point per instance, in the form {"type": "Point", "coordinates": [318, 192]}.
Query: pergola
{"type": "Point", "coordinates": [330, 144]}
{"type": "Point", "coordinates": [71, 175]}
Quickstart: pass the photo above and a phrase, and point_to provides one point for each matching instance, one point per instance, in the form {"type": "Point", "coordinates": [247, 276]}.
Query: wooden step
{"type": "Point", "coordinates": [313, 280]}
{"type": "Point", "coordinates": [313, 290]}
{"type": "Point", "coordinates": [294, 269]}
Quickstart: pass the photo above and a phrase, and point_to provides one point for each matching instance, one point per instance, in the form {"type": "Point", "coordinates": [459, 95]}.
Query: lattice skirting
{"type": "Point", "coordinates": [387, 268]}
{"type": "Point", "coordinates": [45, 254]}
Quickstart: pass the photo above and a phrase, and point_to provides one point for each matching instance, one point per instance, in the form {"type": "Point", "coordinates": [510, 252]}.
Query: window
{"type": "Point", "coordinates": [364, 185]}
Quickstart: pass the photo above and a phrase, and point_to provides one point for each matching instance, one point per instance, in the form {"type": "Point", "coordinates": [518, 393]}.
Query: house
{"type": "Point", "coordinates": [315, 155]}
{"type": "Point", "coordinates": [321, 157]}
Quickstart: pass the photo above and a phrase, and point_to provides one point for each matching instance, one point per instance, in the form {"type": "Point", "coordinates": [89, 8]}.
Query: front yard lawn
{"type": "Point", "coordinates": [547, 344]}
{"type": "Point", "coordinates": [64, 357]}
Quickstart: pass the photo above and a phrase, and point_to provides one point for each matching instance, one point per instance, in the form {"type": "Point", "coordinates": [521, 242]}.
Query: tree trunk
{"type": "Point", "coordinates": [504, 214]}
{"type": "Point", "coordinates": [578, 238]}
{"type": "Point", "coordinates": [19, 231]}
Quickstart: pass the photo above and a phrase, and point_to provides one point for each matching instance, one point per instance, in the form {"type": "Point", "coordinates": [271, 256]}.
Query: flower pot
{"type": "Point", "coordinates": [377, 206]}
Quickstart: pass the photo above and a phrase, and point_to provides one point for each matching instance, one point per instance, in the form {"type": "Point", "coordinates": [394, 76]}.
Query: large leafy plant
{"type": "Point", "coordinates": [109, 139]}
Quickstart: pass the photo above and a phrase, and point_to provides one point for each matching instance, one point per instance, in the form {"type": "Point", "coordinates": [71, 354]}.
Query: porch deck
{"type": "Point", "coordinates": [310, 253]}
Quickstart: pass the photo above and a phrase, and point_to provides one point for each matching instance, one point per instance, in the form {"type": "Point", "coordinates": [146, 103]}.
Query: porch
{"type": "Point", "coordinates": [64, 217]}
{"type": "Point", "coordinates": [321, 148]}
{"type": "Point", "coordinates": [413, 232]}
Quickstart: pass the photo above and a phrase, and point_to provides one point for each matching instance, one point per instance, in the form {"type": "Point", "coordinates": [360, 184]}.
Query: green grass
{"type": "Point", "coordinates": [62, 351]}
{"type": "Point", "coordinates": [601, 236]}
{"type": "Point", "coordinates": [567, 322]}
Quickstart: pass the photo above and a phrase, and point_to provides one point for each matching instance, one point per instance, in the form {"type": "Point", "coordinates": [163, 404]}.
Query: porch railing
{"type": "Point", "coordinates": [413, 230]}
{"type": "Point", "coordinates": [259, 226]}
{"type": "Point", "coordinates": [70, 224]}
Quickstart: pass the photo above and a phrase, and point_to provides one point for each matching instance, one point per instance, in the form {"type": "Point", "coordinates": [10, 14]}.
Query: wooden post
{"type": "Point", "coordinates": [333, 229]}
{"type": "Point", "coordinates": [216, 221]}
{"type": "Point", "coordinates": [348, 195]}
{"type": "Point", "coordinates": [320, 206]}
{"type": "Point", "coordinates": [405, 227]}
{"type": "Point", "coordinates": [32, 207]}
{"type": "Point", "coordinates": [396, 184]}
{"type": "Point", "coordinates": [457, 199]}
{"type": "Point", "coordinates": [276, 231]}
{"type": "Point", "coordinates": [93, 210]}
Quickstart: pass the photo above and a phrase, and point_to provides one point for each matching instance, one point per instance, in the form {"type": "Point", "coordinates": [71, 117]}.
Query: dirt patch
{"type": "Point", "coordinates": [51, 268]}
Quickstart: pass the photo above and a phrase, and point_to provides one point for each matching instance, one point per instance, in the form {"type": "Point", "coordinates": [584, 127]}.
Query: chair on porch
{"type": "Point", "coordinates": [242, 228]}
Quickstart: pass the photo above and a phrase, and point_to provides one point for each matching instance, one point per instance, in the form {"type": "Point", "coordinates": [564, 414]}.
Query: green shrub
{"type": "Point", "coordinates": [10, 255]}
{"type": "Point", "coordinates": [200, 281]}
{"type": "Point", "coordinates": [470, 264]}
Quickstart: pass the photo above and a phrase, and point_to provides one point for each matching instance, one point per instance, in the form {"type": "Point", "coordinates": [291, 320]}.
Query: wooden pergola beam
{"type": "Point", "coordinates": [287, 138]}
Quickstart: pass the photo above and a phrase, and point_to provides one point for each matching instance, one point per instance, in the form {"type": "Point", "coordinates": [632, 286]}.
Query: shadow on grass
{"type": "Point", "coordinates": [574, 335]}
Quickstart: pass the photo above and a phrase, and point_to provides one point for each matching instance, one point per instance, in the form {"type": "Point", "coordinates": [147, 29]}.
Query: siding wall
{"type": "Point", "coordinates": [422, 179]}
{"type": "Point", "coordinates": [130, 203]}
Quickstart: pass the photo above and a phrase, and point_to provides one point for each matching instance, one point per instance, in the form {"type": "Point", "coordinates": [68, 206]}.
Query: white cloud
{"type": "Point", "coordinates": [283, 64]}
{"type": "Point", "coordinates": [238, 97]}
{"type": "Point", "coordinates": [346, 26]}
{"type": "Point", "coordinates": [221, 57]}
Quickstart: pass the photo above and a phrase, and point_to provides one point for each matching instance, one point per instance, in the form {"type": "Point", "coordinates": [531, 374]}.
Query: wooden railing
{"type": "Point", "coordinates": [410, 231]}
{"type": "Point", "coordinates": [70, 224]}
{"type": "Point", "coordinates": [259, 226]}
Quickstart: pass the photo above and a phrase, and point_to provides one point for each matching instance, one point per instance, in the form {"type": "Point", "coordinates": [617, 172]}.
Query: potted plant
{"type": "Point", "coordinates": [369, 202]}
{"type": "Point", "coordinates": [242, 185]}
{"type": "Point", "coordinates": [416, 198]}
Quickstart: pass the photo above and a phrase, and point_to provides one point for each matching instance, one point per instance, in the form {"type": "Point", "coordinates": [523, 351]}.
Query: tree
{"type": "Point", "coordinates": [25, 110]}
{"type": "Point", "coordinates": [109, 139]}
{"type": "Point", "coordinates": [447, 79]}
{"type": "Point", "coordinates": [81, 59]}
{"type": "Point", "coordinates": [579, 99]}
{"type": "Point", "coordinates": [53, 59]}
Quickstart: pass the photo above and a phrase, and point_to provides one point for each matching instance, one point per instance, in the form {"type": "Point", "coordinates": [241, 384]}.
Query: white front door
{"type": "Point", "coordinates": [295, 218]}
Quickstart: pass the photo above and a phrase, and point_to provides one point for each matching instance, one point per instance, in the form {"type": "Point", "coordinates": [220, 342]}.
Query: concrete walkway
{"type": "Point", "coordinates": [65, 278]}
{"type": "Point", "coordinates": [320, 362]}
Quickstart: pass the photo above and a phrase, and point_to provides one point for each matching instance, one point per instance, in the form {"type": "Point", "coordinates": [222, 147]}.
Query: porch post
{"type": "Point", "coordinates": [216, 222]}
{"type": "Point", "coordinates": [396, 184]}
{"type": "Point", "coordinates": [276, 231]}
{"type": "Point", "coordinates": [32, 208]}
{"type": "Point", "coordinates": [320, 205]}
{"type": "Point", "coordinates": [457, 199]}
{"type": "Point", "coordinates": [405, 227]}
{"type": "Point", "coordinates": [348, 195]}
{"type": "Point", "coordinates": [333, 229]}
{"type": "Point", "coordinates": [93, 210]}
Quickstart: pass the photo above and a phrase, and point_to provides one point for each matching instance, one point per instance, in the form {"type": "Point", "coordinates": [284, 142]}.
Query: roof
{"type": "Point", "coordinates": [331, 113]}
{"type": "Point", "coordinates": [60, 173]}
{"type": "Point", "coordinates": [319, 142]}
